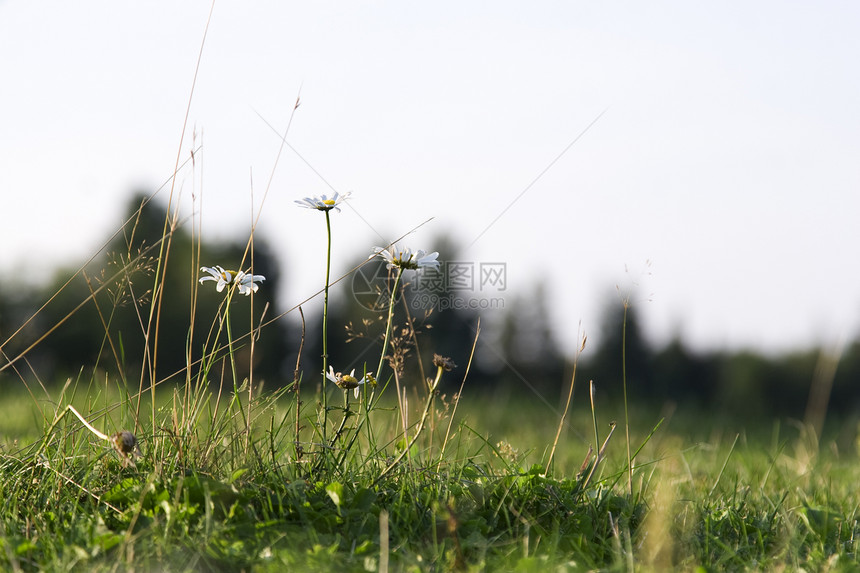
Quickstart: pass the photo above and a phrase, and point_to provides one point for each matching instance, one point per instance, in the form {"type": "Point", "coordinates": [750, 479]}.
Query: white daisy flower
{"type": "Point", "coordinates": [405, 259]}
{"type": "Point", "coordinates": [245, 283]}
{"type": "Point", "coordinates": [248, 283]}
{"type": "Point", "coordinates": [349, 381]}
{"type": "Point", "coordinates": [324, 202]}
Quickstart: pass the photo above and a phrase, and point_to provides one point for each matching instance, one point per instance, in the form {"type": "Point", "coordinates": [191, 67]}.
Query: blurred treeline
{"type": "Point", "coordinates": [103, 339]}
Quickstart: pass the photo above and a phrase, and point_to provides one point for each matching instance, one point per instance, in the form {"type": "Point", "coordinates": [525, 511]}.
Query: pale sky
{"type": "Point", "coordinates": [723, 173]}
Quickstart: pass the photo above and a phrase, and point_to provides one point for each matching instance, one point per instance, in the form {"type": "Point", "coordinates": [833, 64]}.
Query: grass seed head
{"type": "Point", "coordinates": [443, 362]}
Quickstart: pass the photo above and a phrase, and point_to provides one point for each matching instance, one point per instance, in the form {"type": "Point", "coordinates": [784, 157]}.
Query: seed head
{"type": "Point", "coordinates": [443, 362]}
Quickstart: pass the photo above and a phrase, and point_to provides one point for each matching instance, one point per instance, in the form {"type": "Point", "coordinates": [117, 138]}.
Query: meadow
{"type": "Point", "coordinates": [378, 469]}
{"type": "Point", "coordinates": [703, 497]}
{"type": "Point", "coordinates": [393, 463]}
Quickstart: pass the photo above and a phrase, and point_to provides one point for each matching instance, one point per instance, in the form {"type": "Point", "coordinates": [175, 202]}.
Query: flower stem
{"type": "Point", "coordinates": [366, 404]}
{"type": "Point", "coordinates": [388, 323]}
{"type": "Point", "coordinates": [368, 399]}
{"type": "Point", "coordinates": [325, 326]}
{"type": "Point", "coordinates": [624, 383]}
{"type": "Point", "coordinates": [346, 414]}
{"type": "Point", "coordinates": [236, 398]}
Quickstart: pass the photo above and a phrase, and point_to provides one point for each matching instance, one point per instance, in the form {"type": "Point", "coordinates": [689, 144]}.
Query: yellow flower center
{"type": "Point", "coordinates": [329, 202]}
{"type": "Point", "coordinates": [348, 382]}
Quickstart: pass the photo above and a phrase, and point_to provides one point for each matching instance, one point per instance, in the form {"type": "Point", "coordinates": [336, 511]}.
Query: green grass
{"type": "Point", "coordinates": [727, 503]}
{"type": "Point", "coordinates": [411, 474]}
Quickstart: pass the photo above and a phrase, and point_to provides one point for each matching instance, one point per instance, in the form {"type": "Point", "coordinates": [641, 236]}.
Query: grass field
{"type": "Point", "coordinates": [703, 497]}
{"type": "Point", "coordinates": [395, 472]}
{"type": "Point", "coordinates": [377, 470]}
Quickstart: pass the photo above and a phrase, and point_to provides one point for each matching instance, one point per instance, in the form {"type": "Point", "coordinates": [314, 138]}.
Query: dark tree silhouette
{"type": "Point", "coordinates": [620, 347]}
{"type": "Point", "coordinates": [108, 332]}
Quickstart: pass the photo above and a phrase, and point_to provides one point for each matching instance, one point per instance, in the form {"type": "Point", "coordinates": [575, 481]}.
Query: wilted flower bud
{"type": "Point", "coordinates": [443, 362]}
{"type": "Point", "coordinates": [126, 444]}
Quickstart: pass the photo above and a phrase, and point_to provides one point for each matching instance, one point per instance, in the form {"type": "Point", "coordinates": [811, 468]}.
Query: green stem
{"type": "Point", "coordinates": [626, 414]}
{"type": "Point", "coordinates": [388, 324]}
{"type": "Point", "coordinates": [325, 326]}
{"type": "Point", "coordinates": [233, 358]}
{"type": "Point", "coordinates": [346, 414]}
{"type": "Point", "coordinates": [369, 398]}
